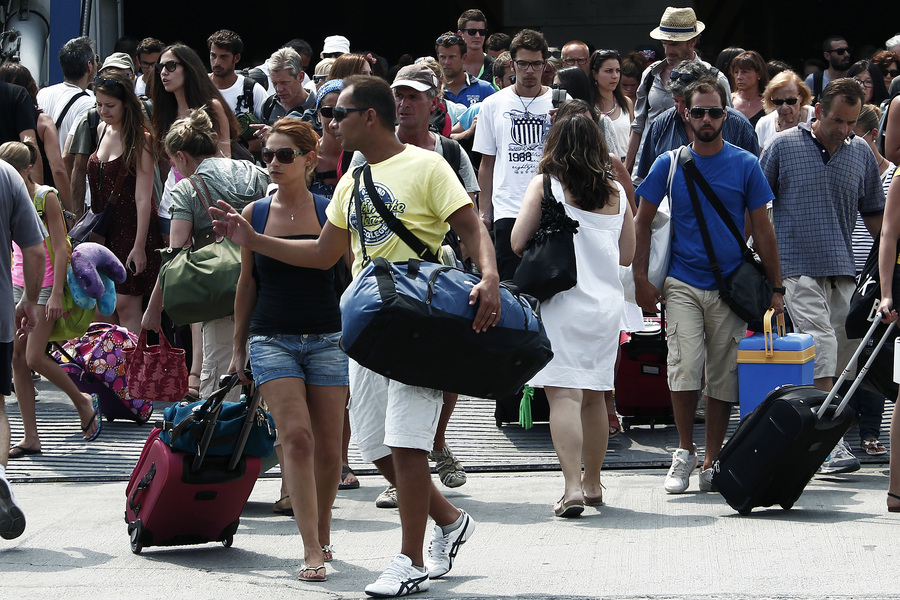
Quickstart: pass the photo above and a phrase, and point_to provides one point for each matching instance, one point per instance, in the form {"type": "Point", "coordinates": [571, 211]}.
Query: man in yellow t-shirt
{"type": "Point", "coordinates": [393, 423]}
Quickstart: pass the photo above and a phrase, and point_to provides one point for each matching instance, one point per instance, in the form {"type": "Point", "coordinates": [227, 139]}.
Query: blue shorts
{"type": "Point", "coordinates": [315, 358]}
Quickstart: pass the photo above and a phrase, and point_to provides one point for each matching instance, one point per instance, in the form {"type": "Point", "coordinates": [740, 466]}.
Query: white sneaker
{"type": "Point", "coordinates": [12, 519]}
{"type": "Point", "coordinates": [443, 548]}
{"type": "Point", "coordinates": [706, 480]}
{"type": "Point", "coordinates": [678, 477]}
{"type": "Point", "coordinates": [387, 498]}
{"type": "Point", "coordinates": [841, 460]}
{"type": "Point", "coordinates": [401, 578]}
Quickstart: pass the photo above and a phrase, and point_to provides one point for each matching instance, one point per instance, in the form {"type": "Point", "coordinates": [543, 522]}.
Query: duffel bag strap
{"type": "Point", "coordinates": [359, 218]}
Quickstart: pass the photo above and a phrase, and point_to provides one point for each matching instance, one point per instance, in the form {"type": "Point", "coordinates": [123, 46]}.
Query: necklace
{"type": "Point", "coordinates": [302, 204]}
{"type": "Point", "coordinates": [527, 106]}
{"type": "Point", "coordinates": [612, 110]}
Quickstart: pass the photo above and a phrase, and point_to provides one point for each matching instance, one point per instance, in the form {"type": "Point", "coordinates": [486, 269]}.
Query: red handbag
{"type": "Point", "coordinates": [156, 373]}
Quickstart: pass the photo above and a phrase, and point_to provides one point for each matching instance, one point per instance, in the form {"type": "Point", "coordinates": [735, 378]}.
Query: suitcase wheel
{"type": "Point", "coordinates": [626, 423]}
{"type": "Point", "coordinates": [745, 512]}
{"type": "Point", "coordinates": [787, 505]}
{"type": "Point", "coordinates": [136, 531]}
{"type": "Point", "coordinates": [228, 541]}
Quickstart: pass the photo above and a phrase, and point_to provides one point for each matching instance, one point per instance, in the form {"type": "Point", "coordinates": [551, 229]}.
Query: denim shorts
{"type": "Point", "coordinates": [315, 358]}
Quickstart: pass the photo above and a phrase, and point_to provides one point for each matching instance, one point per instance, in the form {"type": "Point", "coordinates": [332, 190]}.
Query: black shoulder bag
{"type": "Point", "coordinates": [548, 264]}
{"type": "Point", "coordinates": [747, 291]}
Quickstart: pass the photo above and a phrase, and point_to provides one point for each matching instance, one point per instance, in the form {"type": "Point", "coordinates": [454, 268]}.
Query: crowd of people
{"type": "Point", "coordinates": [470, 140]}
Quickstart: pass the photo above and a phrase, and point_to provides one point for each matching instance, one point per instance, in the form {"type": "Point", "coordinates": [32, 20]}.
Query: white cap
{"type": "Point", "coordinates": [336, 43]}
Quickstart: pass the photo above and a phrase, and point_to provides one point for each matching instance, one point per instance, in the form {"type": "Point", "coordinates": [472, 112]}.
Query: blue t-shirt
{"type": "Point", "coordinates": [474, 91]}
{"type": "Point", "coordinates": [737, 179]}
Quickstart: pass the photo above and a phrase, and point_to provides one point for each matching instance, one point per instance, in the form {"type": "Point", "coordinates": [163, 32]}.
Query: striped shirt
{"type": "Point", "coordinates": [817, 199]}
{"type": "Point", "coordinates": [861, 238]}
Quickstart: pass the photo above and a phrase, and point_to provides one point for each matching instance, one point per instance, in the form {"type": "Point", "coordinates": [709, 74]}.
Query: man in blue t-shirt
{"type": "Point", "coordinates": [700, 325]}
{"type": "Point", "coordinates": [459, 86]}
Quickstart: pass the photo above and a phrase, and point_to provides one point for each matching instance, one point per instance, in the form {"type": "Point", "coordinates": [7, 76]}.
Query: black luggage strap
{"type": "Point", "coordinates": [394, 224]}
{"type": "Point", "coordinates": [68, 105]}
{"type": "Point", "coordinates": [143, 484]}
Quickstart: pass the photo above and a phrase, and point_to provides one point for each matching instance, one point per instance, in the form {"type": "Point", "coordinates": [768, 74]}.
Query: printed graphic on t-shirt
{"type": "Point", "coordinates": [375, 231]}
{"type": "Point", "coordinates": [528, 132]}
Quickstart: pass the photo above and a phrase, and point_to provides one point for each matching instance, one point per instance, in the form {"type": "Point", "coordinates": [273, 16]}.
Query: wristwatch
{"type": "Point", "coordinates": [780, 290]}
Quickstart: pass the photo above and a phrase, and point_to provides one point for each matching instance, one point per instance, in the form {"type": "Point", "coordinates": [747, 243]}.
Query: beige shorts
{"type": "Point", "coordinates": [820, 309]}
{"type": "Point", "coordinates": [700, 328]}
{"type": "Point", "coordinates": [387, 414]}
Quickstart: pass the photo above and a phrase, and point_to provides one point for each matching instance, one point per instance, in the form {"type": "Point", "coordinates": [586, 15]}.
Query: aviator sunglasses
{"type": "Point", "coordinates": [715, 112]}
{"type": "Point", "coordinates": [284, 155]}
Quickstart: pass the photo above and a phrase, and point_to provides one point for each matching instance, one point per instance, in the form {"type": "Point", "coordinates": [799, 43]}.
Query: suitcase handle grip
{"type": "Point", "coordinates": [768, 338]}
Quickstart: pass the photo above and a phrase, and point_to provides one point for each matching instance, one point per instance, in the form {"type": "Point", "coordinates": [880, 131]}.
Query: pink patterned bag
{"type": "Point", "coordinates": [157, 373]}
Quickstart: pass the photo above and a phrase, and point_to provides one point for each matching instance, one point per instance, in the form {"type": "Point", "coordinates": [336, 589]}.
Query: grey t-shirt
{"type": "Point", "coordinates": [19, 223]}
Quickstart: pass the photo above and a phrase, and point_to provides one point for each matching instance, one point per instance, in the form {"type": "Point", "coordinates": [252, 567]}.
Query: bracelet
{"type": "Point", "coordinates": [779, 290]}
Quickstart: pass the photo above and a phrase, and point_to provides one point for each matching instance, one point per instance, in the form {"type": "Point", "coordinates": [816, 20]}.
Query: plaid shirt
{"type": "Point", "coordinates": [816, 201]}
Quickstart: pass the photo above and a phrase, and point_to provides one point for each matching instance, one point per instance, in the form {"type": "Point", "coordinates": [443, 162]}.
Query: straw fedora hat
{"type": "Point", "coordinates": [678, 25]}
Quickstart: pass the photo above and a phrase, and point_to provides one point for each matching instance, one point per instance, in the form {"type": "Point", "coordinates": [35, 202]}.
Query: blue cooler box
{"type": "Point", "coordinates": [767, 360]}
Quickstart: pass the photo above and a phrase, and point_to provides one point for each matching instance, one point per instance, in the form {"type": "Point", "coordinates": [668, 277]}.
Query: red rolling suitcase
{"type": "Point", "coordinates": [179, 498]}
{"type": "Point", "coordinates": [779, 446]}
{"type": "Point", "coordinates": [642, 391]}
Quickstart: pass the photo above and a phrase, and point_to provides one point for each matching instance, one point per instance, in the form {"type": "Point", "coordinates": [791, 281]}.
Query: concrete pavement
{"type": "Point", "coordinates": [837, 542]}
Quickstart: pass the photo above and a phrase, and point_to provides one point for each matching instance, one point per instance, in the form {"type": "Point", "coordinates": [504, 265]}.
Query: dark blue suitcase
{"type": "Point", "coordinates": [779, 446]}
{"type": "Point", "coordinates": [412, 322]}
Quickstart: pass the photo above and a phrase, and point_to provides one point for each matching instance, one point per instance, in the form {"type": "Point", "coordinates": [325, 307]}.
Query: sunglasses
{"type": "Point", "coordinates": [338, 113]}
{"type": "Point", "coordinates": [840, 51]}
{"type": "Point", "coordinates": [788, 101]}
{"type": "Point", "coordinates": [317, 79]}
{"type": "Point", "coordinates": [473, 31]}
{"type": "Point", "coordinates": [105, 83]}
{"type": "Point", "coordinates": [715, 112]}
{"type": "Point", "coordinates": [685, 78]}
{"type": "Point", "coordinates": [524, 65]}
{"type": "Point", "coordinates": [447, 40]}
{"type": "Point", "coordinates": [893, 72]}
{"type": "Point", "coordinates": [169, 66]}
{"type": "Point", "coordinates": [284, 155]}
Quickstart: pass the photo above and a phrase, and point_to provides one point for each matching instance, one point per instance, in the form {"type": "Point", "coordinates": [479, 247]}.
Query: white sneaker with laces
{"type": "Point", "coordinates": [443, 548]}
{"type": "Point", "coordinates": [706, 480]}
{"type": "Point", "coordinates": [387, 498]}
{"type": "Point", "coordinates": [678, 477]}
{"type": "Point", "coordinates": [401, 578]}
{"type": "Point", "coordinates": [841, 460]}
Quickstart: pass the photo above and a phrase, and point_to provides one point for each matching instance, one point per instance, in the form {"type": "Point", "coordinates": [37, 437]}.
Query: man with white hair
{"type": "Point", "coordinates": [286, 71]}
{"type": "Point", "coordinates": [893, 44]}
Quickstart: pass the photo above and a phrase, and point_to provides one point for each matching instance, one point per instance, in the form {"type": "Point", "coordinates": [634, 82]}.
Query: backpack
{"type": "Point", "coordinates": [818, 81]}
{"type": "Point", "coordinates": [74, 320]}
{"type": "Point", "coordinates": [246, 99]}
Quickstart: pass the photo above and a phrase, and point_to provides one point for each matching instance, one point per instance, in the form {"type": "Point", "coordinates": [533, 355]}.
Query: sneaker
{"type": "Point", "coordinates": [12, 519]}
{"type": "Point", "coordinates": [706, 480]}
{"type": "Point", "coordinates": [449, 469]}
{"type": "Point", "coordinates": [401, 578]}
{"type": "Point", "coordinates": [841, 460]}
{"type": "Point", "coordinates": [387, 498]}
{"type": "Point", "coordinates": [443, 547]}
{"type": "Point", "coordinates": [678, 477]}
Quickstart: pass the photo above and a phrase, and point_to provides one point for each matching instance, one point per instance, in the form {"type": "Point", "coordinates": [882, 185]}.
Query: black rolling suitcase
{"type": "Point", "coordinates": [778, 447]}
{"type": "Point", "coordinates": [506, 409]}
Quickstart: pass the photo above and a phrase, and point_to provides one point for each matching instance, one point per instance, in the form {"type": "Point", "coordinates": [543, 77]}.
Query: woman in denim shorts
{"type": "Point", "coordinates": [292, 317]}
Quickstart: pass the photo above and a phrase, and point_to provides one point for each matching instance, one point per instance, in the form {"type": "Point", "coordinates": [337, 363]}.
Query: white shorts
{"type": "Point", "coordinates": [387, 414]}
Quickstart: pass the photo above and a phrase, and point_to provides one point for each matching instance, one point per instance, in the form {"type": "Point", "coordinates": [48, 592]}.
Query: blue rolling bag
{"type": "Point", "coordinates": [412, 322]}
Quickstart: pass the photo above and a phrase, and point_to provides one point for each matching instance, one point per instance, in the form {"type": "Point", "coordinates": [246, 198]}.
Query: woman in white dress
{"type": "Point", "coordinates": [606, 75]}
{"type": "Point", "coordinates": [583, 322]}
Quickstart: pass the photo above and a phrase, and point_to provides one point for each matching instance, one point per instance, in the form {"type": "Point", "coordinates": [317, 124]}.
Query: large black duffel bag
{"type": "Point", "coordinates": [412, 322]}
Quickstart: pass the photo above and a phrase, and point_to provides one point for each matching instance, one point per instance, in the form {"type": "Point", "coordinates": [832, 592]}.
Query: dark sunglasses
{"type": "Point", "coordinates": [788, 101]}
{"type": "Point", "coordinates": [893, 72]}
{"type": "Point", "coordinates": [685, 78]}
{"type": "Point", "coordinates": [840, 51]}
{"type": "Point", "coordinates": [169, 66]}
{"type": "Point", "coordinates": [284, 155]}
{"type": "Point", "coordinates": [317, 79]}
{"type": "Point", "coordinates": [103, 82]}
{"type": "Point", "coordinates": [447, 40]}
{"type": "Point", "coordinates": [338, 113]}
{"type": "Point", "coordinates": [473, 31]}
{"type": "Point", "coordinates": [715, 112]}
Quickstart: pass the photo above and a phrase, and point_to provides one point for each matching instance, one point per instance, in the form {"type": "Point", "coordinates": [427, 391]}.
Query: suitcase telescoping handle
{"type": "Point", "coordinates": [862, 373]}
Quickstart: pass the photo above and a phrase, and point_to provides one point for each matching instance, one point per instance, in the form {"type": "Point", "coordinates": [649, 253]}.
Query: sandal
{"type": "Point", "coordinates": [873, 447]}
{"type": "Point", "coordinates": [895, 509]}
{"type": "Point", "coordinates": [615, 428]}
{"type": "Point", "coordinates": [283, 507]}
{"type": "Point", "coordinates": [96, 417]}
{"type": "Point", "coordinates": [19, 451]}
{"type": "Point", "coordinates": [315, 574]}
{"type": "Point", "coordinates": [328, 552]}
{"type": "Point", "coordinates": [343, 485]}
{"type": "Point", "coordinates": [568, 510]}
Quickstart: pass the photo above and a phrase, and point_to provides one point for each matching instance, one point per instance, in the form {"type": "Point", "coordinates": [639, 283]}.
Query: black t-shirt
{"type": "Point", "coordinates": [16, 112]}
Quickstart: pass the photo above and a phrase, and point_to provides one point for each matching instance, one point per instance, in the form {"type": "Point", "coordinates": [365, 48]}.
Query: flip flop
{"type": "Point", "coordinates": [315, 579]}
{"type": "Point", "coordinates": [19, 452]}
{"type": "Point", "coordinates": [893, 509]}
{"type": "Point", "coordinates": [95, 417]}
{"type": "Point", "coordinates": [345, 470]}
{"type": "Point", "coordinates": [328, 552]}
{"type": "Point", "coordinates": [568, 510]}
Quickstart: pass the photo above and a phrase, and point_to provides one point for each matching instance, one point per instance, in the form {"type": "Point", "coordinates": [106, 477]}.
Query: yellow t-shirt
{"type": "Point", "coordinates": [418, 186]}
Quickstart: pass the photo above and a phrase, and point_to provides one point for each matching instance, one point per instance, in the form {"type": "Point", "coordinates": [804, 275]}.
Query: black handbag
{"type": "Point", "coordinates": [93, 226]}
{"type": "Point", "coordinates": [548, 263]}
{"type": "Point", "coordinates": [747, 291]}
{"type": "Point", "coordinates": [867, 295]}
